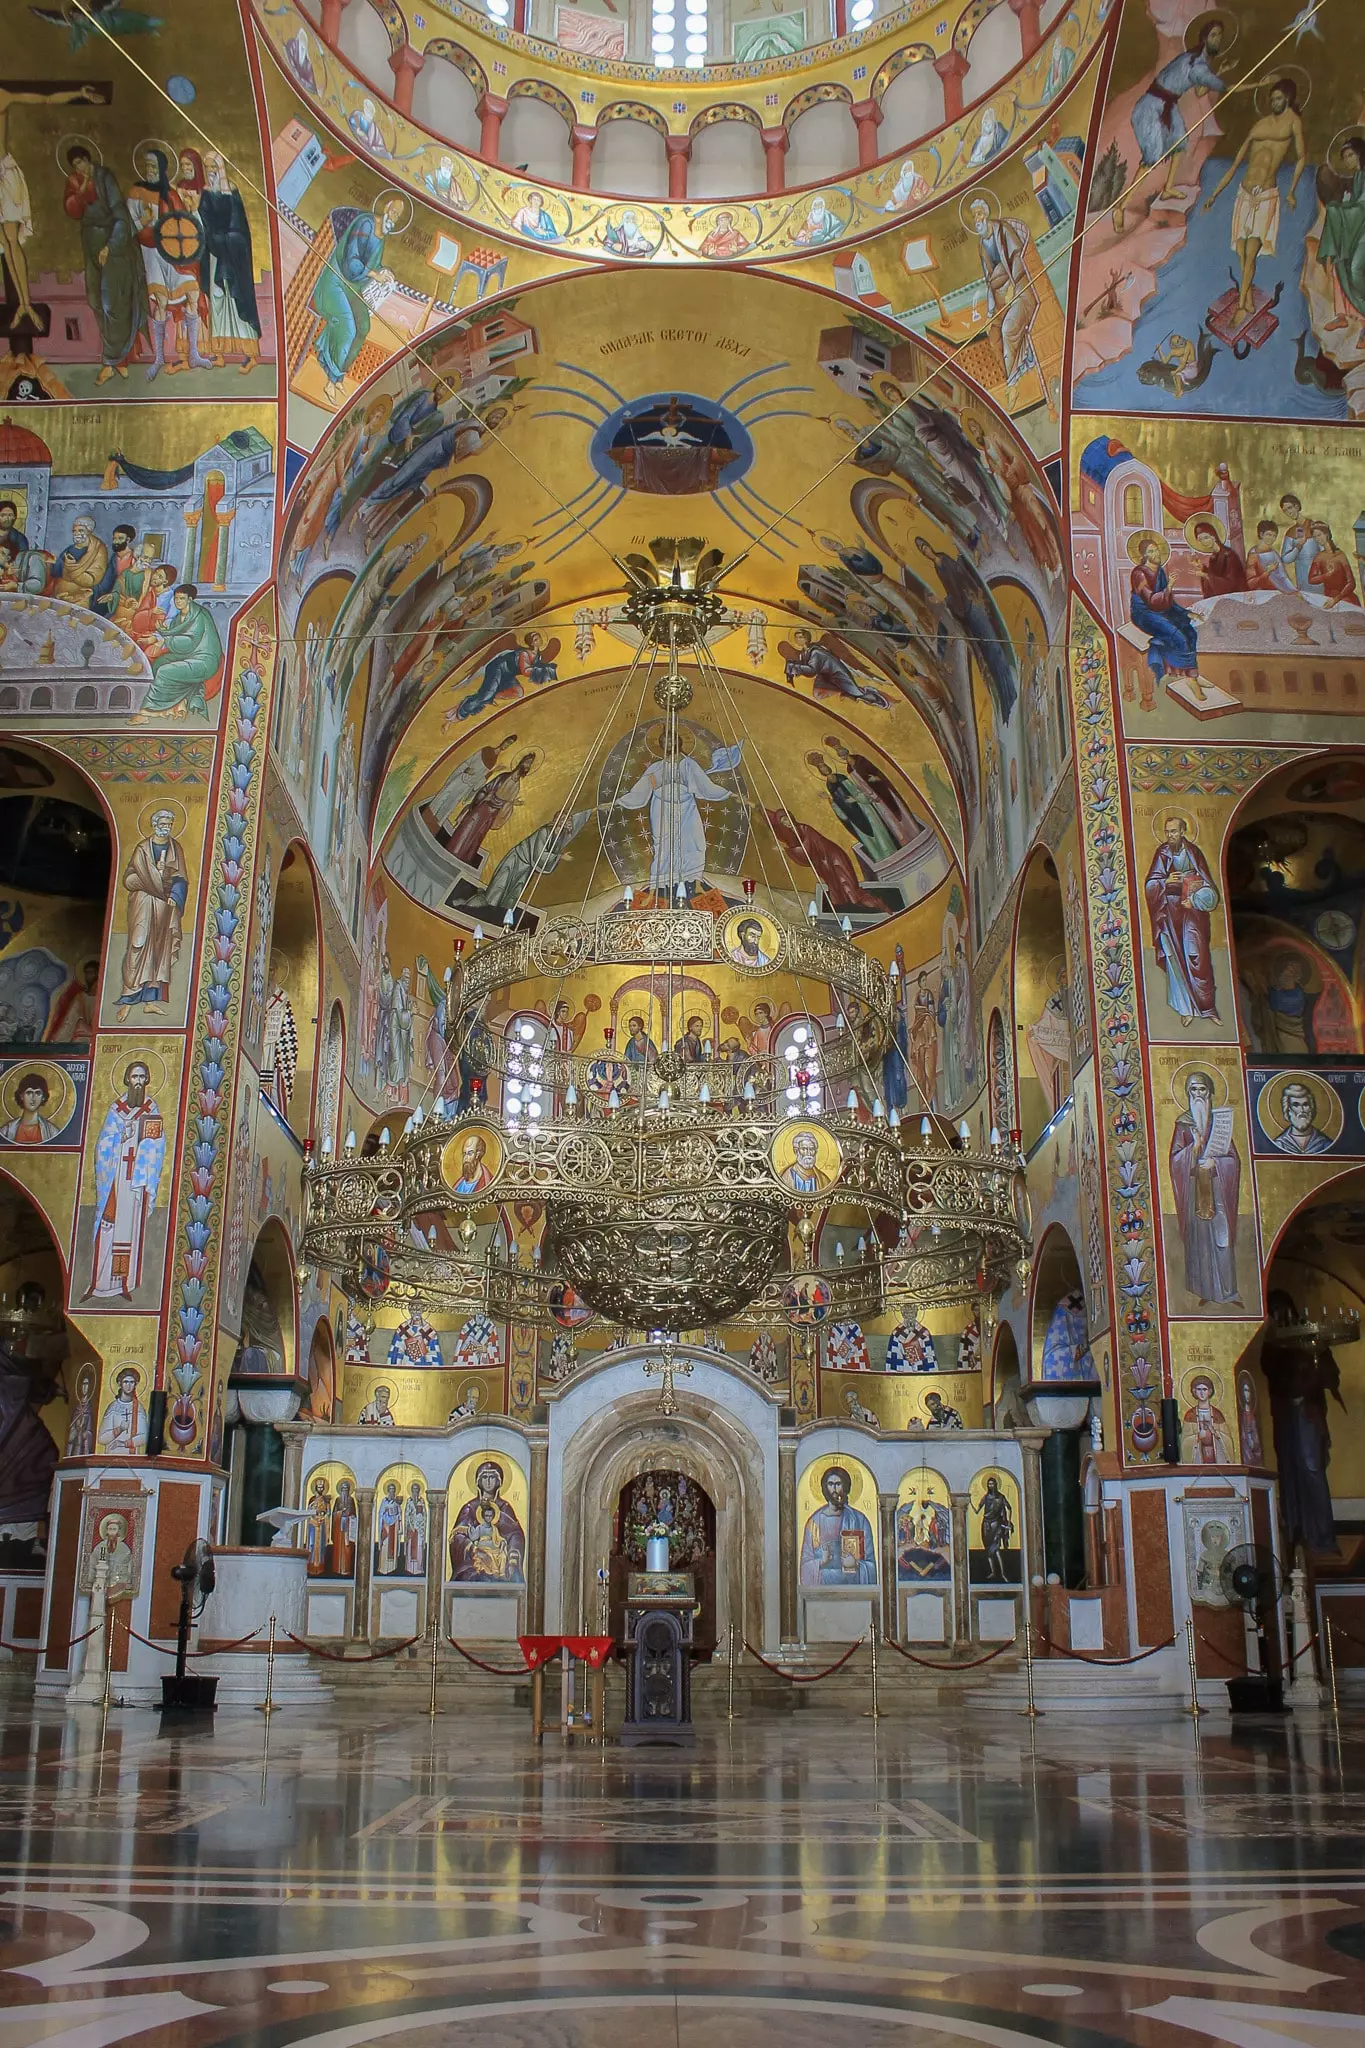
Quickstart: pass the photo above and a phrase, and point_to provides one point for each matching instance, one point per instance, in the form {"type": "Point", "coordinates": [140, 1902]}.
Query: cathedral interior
{"type": "Point", "coordinates": [682, 1099]}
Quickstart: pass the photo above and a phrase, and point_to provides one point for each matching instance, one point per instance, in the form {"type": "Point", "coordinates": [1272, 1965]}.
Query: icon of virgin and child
{"type": "Point", "coordinates": [487, 1542]}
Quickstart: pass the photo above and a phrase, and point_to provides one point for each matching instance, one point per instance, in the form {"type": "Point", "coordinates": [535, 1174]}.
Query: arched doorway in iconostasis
{"type": "Point", "coordinates": [655, 1501]}
{"type": "Point", "coordinates": [262, 1388]}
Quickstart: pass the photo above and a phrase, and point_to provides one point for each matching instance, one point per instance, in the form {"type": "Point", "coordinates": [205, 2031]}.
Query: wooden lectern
{"type": "Point", "coordinates": [658, 1646]}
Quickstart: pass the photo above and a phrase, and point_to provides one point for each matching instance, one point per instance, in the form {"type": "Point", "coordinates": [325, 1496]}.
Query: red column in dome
{"type": "Point", "coordinates": [952, 69]}
{"type": "Point", "coordinates": [491, 110]}
{"type": "Point", "coordinates": [330, 27]}
{"type": "Point", "coordinates": [867, 115]}
{"type": "Point", "coordinates": [1030, 29]}
{"type": "Point", "coordinates": [775, 152]}
{"type": "Point", "coordinates": [581, 142]}
{"type": "Point", "coordinates": [405, 64]}
{"type": "Point", "coordinates": [679, 149]}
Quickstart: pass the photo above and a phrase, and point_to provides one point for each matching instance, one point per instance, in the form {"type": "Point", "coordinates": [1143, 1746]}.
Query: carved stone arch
{"type": "Point", "coordinates": [708, 1443]}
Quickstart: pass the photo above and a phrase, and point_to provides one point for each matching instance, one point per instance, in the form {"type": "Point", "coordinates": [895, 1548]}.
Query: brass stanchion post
{"type": "Point", "coordinates": [874, 1712]}
{"type": "Point", "coordinates": [1331, 1661]}
{"type": "Point", "coordinates": [1194, 1710]}
{"type": "Point", "coordinates": [565, 1694]}
{"type": "Point", "coordinates": [730, 1674]}
{"type": "Point", "coordinates": [599, 1702]}
{"type": "Point", "coordinates": [108, 1655]}
{"type": "Point", "coordinates": [432, 1709]}
{"type": "Point", "coordinates": [538, 1704]}
{"type": "Point", "coordinates": [1032, 1711]}
{"type": "Point", "coordinates": [267, 1705]}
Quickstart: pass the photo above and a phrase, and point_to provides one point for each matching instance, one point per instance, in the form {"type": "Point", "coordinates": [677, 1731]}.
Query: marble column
{"type": "Point", "coordinates": [294, 1435]}
{"type": "Point", "coordinates": [436, 1557]}
{"type": "Point", "coordinates": [786, 1538]}
{"type": "Point", "coordinates": [405, 63]}
{"type": "Point", "coordinates": [535, 1574]}
{"type": "Point", "coordinates": [775, 141]}
{"type": "Point", "coordinates": [962, 1591]}
{"type": "Point", "coordinates": [364, 1562]}
{"type": "Point", "coordinates": [952, 69]}
{"type": "Point", "coordinates": [886, 1541]}
{"type": "Point", "coordinates": [1032, 1447]}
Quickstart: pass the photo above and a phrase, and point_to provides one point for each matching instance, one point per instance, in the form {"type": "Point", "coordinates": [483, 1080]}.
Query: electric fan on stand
{"type": "Point", "coordinates": [1253, 1579]}
{"type": "Point", "coordinates": [189, 1692]}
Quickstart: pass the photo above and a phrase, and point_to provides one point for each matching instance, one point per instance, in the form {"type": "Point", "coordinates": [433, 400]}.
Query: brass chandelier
{"type": "Point", "coordinates": [679, 1191]}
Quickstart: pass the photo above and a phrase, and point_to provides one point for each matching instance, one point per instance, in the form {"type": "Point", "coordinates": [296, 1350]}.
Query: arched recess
{"type": "Point", "coordinates": [289, 1036]}
{"type": "Point", "coordinates": [49, 1380]}
{"type": "Point", "coordinates": [327, 1120]}
{"type": "Point", "coordinates": [629, 155]}
{"type": "Point", "coordinates": [1056, 1277]}
{"type": "Point", "coordinates": [445, 98]}
{"type": "Point", "coordinates": [319, 1403]}
{"type": "Point", "coordinates": [988, 36]}
{"type": "Point", "coordinates": [1042, 1017]}
{"type": "Point", "coordinates": [535, 132]}
{"type": "Point", "coordinates": [727, 154]}
{"type": "Point", "coordinates": [1295, 1399]}
{"type": "Point", "coordinates": [822, 141]}
{"type": "Point", "coordinates": [56, 869]}
{"type": "Point", "coordinates": [911, 101]}
{"type": "Point", "coordinates": [1003, 1399]}
{"type": "Point", "coordinates": [999, 1075]}
{"type": "Point", "coordinates": [1295, 895]}
{"type": "Point", "coordinates": [262, 1387]}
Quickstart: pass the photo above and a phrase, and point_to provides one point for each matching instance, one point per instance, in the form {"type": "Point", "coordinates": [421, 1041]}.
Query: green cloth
{"type": "Point", "coordinates": [1343, 242]}
{"type": "Point", "coordinates": [193, 657]}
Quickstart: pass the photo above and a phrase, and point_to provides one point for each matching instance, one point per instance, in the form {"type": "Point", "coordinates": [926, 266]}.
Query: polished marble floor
{"type": "Point", "coordinates": [359, 1874]}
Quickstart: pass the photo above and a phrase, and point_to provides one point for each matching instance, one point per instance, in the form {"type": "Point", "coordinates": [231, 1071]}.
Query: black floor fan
{"type": "Point", "coordinates": [190, 1692]}
{"type": "Point", "coordinates": [1253, 1579]}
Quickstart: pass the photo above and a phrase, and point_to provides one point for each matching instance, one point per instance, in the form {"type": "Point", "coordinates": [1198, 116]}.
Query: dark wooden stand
{"type": "Point", "coordinates": [658, 1646]}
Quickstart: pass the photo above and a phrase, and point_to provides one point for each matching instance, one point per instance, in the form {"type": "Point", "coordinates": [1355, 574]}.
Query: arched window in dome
{"type": "Point", "coordinates": [799, 1047]}
{"type": "Point", "coordinates": [524, 1090]}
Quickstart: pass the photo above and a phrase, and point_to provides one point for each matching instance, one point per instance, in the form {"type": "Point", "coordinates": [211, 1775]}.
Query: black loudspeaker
{"type": "Point", "coordinates": [1170, 1430]}
{"type": "Point", "coordinates": [156, 1423]}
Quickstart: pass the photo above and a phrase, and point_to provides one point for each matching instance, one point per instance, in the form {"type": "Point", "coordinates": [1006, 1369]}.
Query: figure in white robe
{"type": "Point", "coordinates": [675, 791]}
{"type": "Point", "coordinates": [129, 1157]}
{"type": "Point", "coordinates": [388, 1532]}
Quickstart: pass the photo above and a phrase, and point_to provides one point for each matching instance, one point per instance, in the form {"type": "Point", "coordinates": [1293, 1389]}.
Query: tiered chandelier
{"type": "Point", "coordinates": [681, 1189]}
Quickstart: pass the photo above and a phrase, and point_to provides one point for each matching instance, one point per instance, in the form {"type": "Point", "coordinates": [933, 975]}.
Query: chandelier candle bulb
{"type": "Point", "coordinates": [350, 1141]}
{"type": "Point", "coordinates": [852, 1104]}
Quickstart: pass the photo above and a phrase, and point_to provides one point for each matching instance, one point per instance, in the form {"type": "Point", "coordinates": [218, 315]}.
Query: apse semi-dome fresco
{"type": "Point", "coordinates": [682, 825]}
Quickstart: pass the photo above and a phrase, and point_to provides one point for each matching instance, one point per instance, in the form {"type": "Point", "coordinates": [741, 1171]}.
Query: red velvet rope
{"type": "Point", "coordinates": [162, 1651]}
{"type": "Point", "coordinates": [805, 1677]}
{"type": "Point", "coordinates": [930, 1664]}
{"type": "Point", "coordinates": [340, 1657]}
{"type": "Point", "coordinates": [1304, 1651]}
{"type": "Point", "coordinates": [1349, 1634]}
{"type": "Point", "coordinates": [1231, 1662]}
{"type": "Point", "coordinates": [495, 1670]}
{"type": "Point", "coordinates": [42, 1649]}
{"type": "Point", "coordinates": [1091, 1657]}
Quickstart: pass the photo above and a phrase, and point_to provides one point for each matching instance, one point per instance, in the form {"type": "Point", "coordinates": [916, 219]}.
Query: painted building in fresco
{"type": "Point", "coordinates": [1015, 356]}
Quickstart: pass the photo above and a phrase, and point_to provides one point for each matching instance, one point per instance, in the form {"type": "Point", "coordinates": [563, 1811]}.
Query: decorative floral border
{"type": "Point", "coordinates": [1120, 1069]}
{"type": "Point", "coordinates": [219, 1017]}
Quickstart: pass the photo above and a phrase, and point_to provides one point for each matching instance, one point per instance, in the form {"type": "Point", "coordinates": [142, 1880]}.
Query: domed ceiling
{"type": "Point", "coordinates": [451, 571]}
